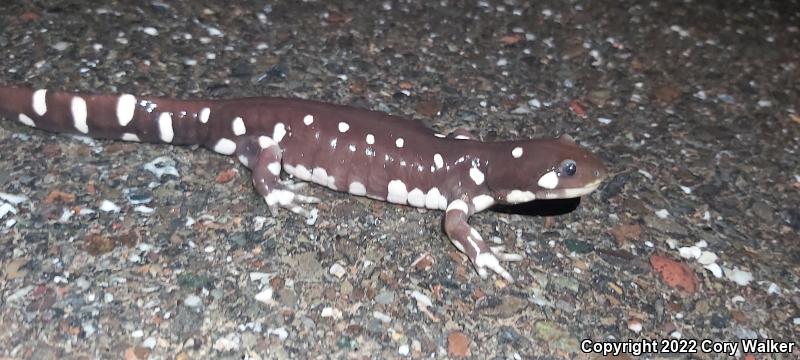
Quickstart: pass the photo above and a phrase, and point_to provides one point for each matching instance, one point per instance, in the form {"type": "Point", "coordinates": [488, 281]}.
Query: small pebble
{"type": "Point", "coordinates": [149, 343]}
{"type": "Point", "coordinates": [635, 325]}
{"type": "Point", "coordinates": [743, 278]}
{"type": "Point", "coordinates": [331, 312]}
{"type": "Point", "coordinates": [265, 295]}
{"type": "Point", "coordinates": [715, 270]}
{"type": "Point", "coordinates": [193, 301]}
{"type": "Point", "coordinates": [337, 270]}
{"type": "Point", "coordinates": [280, 332]}
{"type": "Point", "coordinates": [707, 258]}
{"type": "Point", "coordinates": [382, 317]}
{"type": "Point", "coordinates": [150, 31]}
{"type": "Point", "coordinates": [137, 334]}
{"type": "Point", "coordinates": [403, 350]}
{"type": "Point", "coordinates": [109, 206]}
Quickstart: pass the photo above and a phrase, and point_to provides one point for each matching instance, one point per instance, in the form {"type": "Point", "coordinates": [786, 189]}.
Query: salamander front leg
{"type": "Point", "coordinates": [462, 134]}
{"type": "Point", "coordinates": [263, 156]}
{"type": "Point", "coordinates": [467, 240]}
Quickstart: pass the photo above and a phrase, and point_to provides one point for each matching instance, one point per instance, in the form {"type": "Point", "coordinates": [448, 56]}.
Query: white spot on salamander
{"type": "Point", "coordinates": [462, 137]}
{"type": "Point", "coordinates": [319, 176]}
{"type": "Point", "coordinates": [517, 152]}
{"type": "Point", "coordinates": [126, 105]}
{"type": "Point", "coordinates": [476, 175]}
{"type": "Point", "coordinates": [130, 137]}
{"type": "Point", "coordinates": [397, 192]}
{"type": "Point", "coordinates": [266, 141]}
{"type": "Point", "coordinates": [435, 200]}
{"type": "Point", "coordinates": [357, 188]}
{"type": "Point", "coordinates": [439, 135]}
{"type": "Point", "coordinates": [225, 146]}
{"type": "Point", "coordinates": [238, 126]}
{"type": "Point", "coordinates": [165, 127]}
{"type": "Point", "coordinates": [370, 139]}
{"type": "Point", "coordinates": [308, 119]}
{"type": "Point", "coordinates": [416, 198]}
{"type": "Point", "coordinates": [399, 142]}
{"type": "Point", "coordinates": [352, 148]}
{"type": "Point", "coordinates": [79, 114]}
{"type": "Point", "coordinates": [40, 101]}
{"type": "Point", "coordinates": [204, 114]}
{"type": "Point", "coordinates": [437, 159]}
{"type": "Point", "coordinates": [274, 168]}
{"type": "Point", "coordinates": [549, 180]}
{"type": "Point", "coordinates": [519, 196]}
{"type": "Point", "coordinates": [458, 205]}
{"type": "Point", "coordinates": [343, 127]}
{"type": "Point", "coordinates": [25, 119]}
{"type": "Point", "coordinates": [482, 202]}
{"type": "Point", "coordinates": [279, 132]}
{"type": "Point", "coordinates": [299, 171]}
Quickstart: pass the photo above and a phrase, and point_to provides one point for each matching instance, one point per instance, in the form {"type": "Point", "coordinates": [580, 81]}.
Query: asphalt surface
{"type": "Point", "coordinates": [694, 106]}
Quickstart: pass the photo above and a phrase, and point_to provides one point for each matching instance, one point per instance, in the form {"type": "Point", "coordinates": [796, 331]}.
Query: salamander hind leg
{"type": "Point", "coordinates": [467, 240]}
{"type": "Point", "coordinates": [263, 156]}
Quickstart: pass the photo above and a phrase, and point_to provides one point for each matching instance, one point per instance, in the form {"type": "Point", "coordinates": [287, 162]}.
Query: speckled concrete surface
{"type": "Point", "coordinates": [693, 104]}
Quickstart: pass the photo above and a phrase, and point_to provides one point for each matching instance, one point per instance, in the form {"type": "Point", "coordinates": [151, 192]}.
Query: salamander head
{"type": "Point", "coordinates": [523, 171]}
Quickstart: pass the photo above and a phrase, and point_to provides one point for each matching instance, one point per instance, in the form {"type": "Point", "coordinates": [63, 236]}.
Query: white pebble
{"type": "Point", "coordinates": [150, 31]}
{"type": "Point", "coordinates": [337, 270]}
{"type": "Point", "coordinates": [403, 350]}
{"type": "Point", "coordinates": [662, 214]}
{"type": "Point", "coordinates": [715, 270]}
{"type": "Point", "coordinates": [707, 257]}
{"type": "Point", "coordinates": [280, 332]}
{"type": "Point", "coordinates": [382, 317]}
{"type": "Point", "coordinates": [690, 252]}
{"type": "Point", "coordinates": [144, 209]}
{"type": "Point", "coordinates": [193, 301]}
{"type": "Point", "coordinates": [774, 289]}
{"type": "Point", "coordinates": [265, 296]}
{"type": "Point", "coordinates": [149, 343]}
{"type": "Point", "coordinates": [109, 206]}
{"type": "Point", "coordinates": [11, 198]}
{"type": "Point", "coordinates": [331, 312]}
{"type": "Point", "coordinates": [740, 277]}
{"type": "Point", "coordinates": [5, 209]}
{"type": "Point", "coordinates": [422, 299]}
{"type": "Point", "coordinates": [137, 334]}
{"type": "Point", "coordinates": [604, 121]}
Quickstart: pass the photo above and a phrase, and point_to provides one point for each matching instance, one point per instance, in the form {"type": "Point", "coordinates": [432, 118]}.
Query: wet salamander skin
{"type": "Point", "coordinates": [361, 152]}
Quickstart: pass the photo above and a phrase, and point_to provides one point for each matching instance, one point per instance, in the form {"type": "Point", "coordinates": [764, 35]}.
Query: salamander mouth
{"type": "Point", "coordinates": [569, 193]}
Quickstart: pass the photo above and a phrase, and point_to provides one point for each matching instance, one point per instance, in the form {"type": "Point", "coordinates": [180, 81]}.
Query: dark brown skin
{"type": "Point", "coordinates": [363, 152]}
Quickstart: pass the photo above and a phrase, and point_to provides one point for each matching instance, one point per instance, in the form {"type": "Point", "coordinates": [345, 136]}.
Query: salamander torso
{"type": "Point", "coordinates": [361, 152]}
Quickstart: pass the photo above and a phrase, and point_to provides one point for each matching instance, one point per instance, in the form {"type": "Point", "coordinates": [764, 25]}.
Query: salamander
{"type": "Point", "coordinates": [361, 152]}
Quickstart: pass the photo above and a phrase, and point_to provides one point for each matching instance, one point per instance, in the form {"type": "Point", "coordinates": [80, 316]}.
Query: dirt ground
{"type": "Point", "coordinates": [692, 240]}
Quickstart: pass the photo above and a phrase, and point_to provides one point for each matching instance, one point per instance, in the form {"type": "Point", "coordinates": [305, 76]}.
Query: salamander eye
{"type": "Point", "coordinates": [569, 167]}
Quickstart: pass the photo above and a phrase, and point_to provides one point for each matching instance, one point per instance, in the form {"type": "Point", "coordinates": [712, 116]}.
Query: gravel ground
{"type": "Point", "coordinates": [112, 250]}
